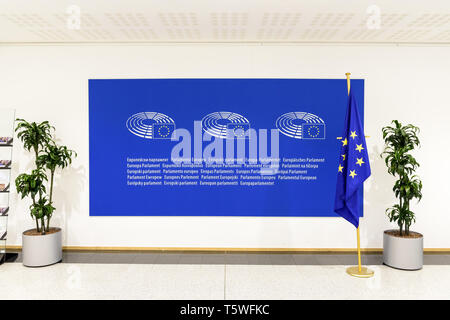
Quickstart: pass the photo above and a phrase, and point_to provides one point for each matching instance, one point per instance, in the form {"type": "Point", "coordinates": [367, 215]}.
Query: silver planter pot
{"type": "Point", "coordinates": [42, 250]}
{"type": "Point", "coordinates": [402, 253]}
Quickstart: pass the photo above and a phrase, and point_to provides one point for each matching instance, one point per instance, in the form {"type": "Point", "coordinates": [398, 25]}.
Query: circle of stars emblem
{"type": "Point", "coordinates": [163, 131]}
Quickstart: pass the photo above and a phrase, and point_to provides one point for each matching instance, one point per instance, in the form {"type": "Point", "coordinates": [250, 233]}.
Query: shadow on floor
{"type": "Point", "coordinates": [231, 258]}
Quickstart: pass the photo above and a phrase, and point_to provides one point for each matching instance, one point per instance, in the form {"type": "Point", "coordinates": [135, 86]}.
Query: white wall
{"type": "Point", "coordinates": [406, 83]}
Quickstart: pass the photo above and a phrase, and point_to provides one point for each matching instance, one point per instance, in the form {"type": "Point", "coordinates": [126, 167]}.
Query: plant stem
{"type": "Point", "coordinates": [52, 175]}
{"type": "Point", "coordinates": [43, 225]}
{"type": "Point", "coordinates": [400, 219]}
{"type": "Point", "coordinates": [36, 153]}
{"type": "Point", "coordinates": [37, 221]}
{"type": "Point", "coordinates": [407, 225]}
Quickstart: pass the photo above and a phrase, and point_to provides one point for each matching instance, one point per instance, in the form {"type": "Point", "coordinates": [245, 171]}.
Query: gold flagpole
{"type": "Point", "coordinates": [359, 271]}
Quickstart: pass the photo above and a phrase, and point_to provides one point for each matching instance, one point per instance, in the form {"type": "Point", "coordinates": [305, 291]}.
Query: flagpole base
{"type": "Point", "coordinates": [364, 273]}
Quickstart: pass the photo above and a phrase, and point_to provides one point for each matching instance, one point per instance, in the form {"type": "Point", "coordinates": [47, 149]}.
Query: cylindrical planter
{"type": "Point", "coordinates": [403, 252]}
{"type": "Point", "coordinates": [41, 250]}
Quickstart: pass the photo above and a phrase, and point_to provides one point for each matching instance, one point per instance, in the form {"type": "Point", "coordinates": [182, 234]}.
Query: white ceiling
{"type": "Point", "coordinates": [400, 21]}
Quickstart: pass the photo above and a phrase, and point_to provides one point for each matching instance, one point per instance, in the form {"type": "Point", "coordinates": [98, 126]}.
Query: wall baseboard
{"type": "Point", "coordinates": [231, 250]}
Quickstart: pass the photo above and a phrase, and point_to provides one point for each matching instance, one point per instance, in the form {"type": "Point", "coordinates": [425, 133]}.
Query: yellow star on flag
{"type": "Point", "coordinates": [343, 157]}
{"type": "Point", "coordinates": [352, 174]}
{"type": "Point", "coordinates": [344, 142]}
{"type": "Point", "coordinates": [360, 161]}
{"type": "Point", "coordinates": [353, 134]}
{"type": "Point", "coordinates": [340, 168]}
{"type": "Point", "coordinates": [359, 147]}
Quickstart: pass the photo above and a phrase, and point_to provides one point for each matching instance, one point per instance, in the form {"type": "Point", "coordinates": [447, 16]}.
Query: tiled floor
{"type": "Point", "coordinates": [233, 258]}
{"type": "Point", "coordinates": [217, 281]}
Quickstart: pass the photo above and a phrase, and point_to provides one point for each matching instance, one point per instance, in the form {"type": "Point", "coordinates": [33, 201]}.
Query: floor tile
{"type": "Point", "coordinates": [236, 258]}
{"type": "Point", "coordinates": [146, 258]}
{"type": "Point", "coordinates": [213, 258]}
{"type": "Point", "coordinates": [325, 259]}
{"type": "Point", "coordinates": [436, 259]}
{"type": "Point", "coordinates": [282, 259]}
{"type": "Point", "coordinates": [233, 258]}
{"type": "Point", "coordinates": [188, 258]}
{"type": "Point", "coordinates": [305, 259]}
{"type": "Point", "coordinates": [168, 258]}
{"type": "Point", "coordinates": [187, 282]}
{"type": "Point", "coordinates": [77, 257]}
{"type": "Point", "coordinates": [372, 259]}
{"type": "Point", "coordinates": [112, 281]}
{"type": "Point", "coordinates": [352, 259]}
{"type": "Point", "coordinates": [347, 259]}
{"type": "Point", "coordinates": [332, 282]}
{"type": "Point", "coordinates": [111, 257]}
{"type": "Point", "coordinates": [259, 259]}
{"type": "Point", "coordinates": [246, 276]}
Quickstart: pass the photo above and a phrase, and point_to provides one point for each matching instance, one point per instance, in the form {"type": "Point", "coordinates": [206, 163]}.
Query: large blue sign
{"type": "Point", "coordinates": [216, 147]}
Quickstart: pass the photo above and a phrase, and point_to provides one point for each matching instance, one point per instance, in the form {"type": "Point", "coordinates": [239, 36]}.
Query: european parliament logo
{"type": "Point", "coordinates": [301, 125]}
{"type": "Point", "coordinates": [151, 125]}
{"type": "Point", "coordinates": [163, 130]}
{"type": "Point", "coordinates": [226, 125]}
{"type": "Point", "coordinates": [313, 131]}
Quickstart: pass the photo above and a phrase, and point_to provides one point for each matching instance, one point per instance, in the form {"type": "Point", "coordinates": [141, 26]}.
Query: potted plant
{"type": "Point", "coordinates": [402, 248]}
{"type": "Point", "coordinates": [43, 245]}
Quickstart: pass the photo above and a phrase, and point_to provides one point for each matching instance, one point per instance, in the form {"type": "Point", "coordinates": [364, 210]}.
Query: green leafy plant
{"type": "Point", "coordinates": [399, 142]}
{"type": "Point", "coordinates": [34, 135]}
{"type": "Point", "coordinates": [49, 157]}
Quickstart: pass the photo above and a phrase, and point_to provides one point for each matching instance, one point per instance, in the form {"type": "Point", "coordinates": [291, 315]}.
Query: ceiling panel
{"type": "Point", "coordinates": [225, 21]}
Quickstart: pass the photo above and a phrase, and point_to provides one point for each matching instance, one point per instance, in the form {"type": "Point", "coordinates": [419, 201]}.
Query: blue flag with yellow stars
{"type": "Point", "coordinates": [354, 166]}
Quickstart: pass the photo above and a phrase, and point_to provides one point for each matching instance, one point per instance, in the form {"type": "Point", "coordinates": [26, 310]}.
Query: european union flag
{"type": "Point", "coordinates": [354, 166]}
{"type": "Point", "coordinates": [313, 131]}
{"type": "Point", "coordinates": [238, 130]}
{"type": "Point", "coordinates": [163, 130]}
